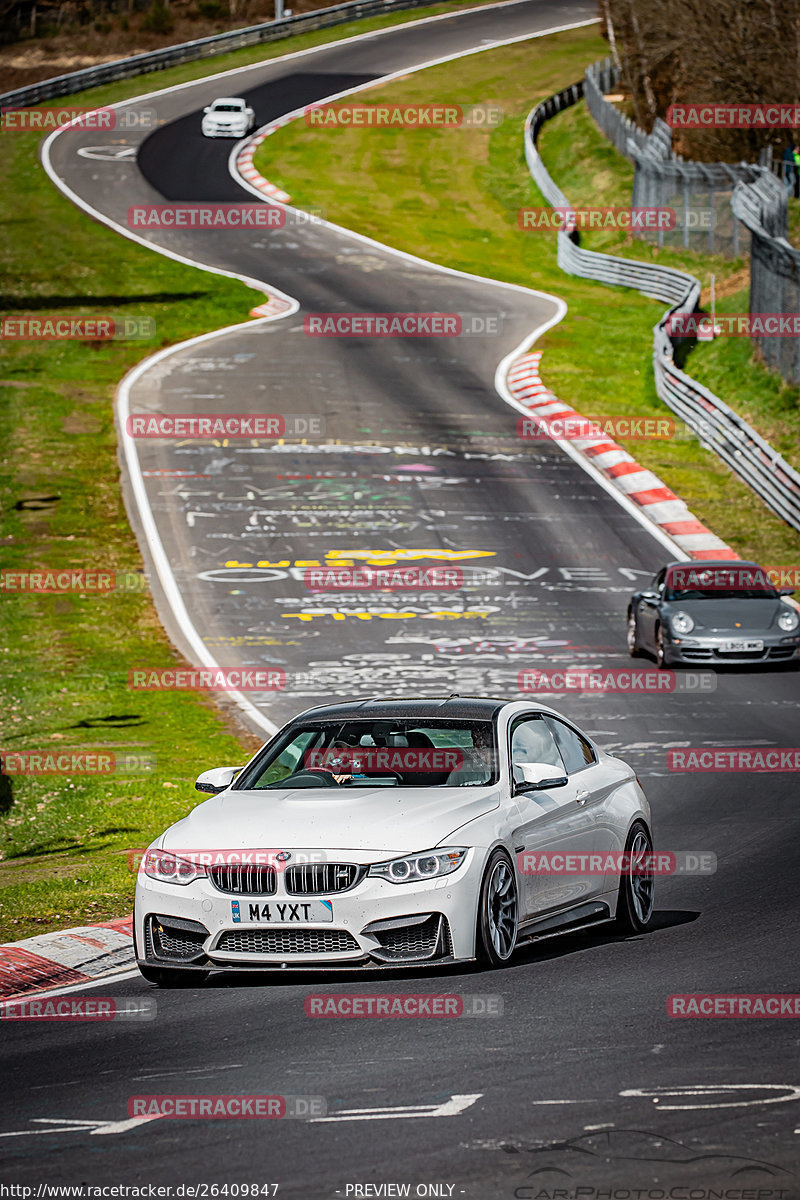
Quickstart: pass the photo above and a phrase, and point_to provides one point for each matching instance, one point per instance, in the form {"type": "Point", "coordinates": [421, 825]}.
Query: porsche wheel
{"type": "Point", "coordinates": [633, 642]}
{"type": "Point", "coordinates": [661, 653]}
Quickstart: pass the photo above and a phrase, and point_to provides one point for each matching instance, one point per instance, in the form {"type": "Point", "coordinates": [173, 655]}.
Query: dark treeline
{"type": "Point", "coordinates": [707, 51]}
{"type": "Point", "coordinates": [30, 20]}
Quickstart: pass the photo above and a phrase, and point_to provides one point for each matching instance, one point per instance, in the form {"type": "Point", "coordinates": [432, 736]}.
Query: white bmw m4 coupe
{"type": "Point", "coordinates": [228, 116]}
{"type": "Point", "coordinates": [397, 832]}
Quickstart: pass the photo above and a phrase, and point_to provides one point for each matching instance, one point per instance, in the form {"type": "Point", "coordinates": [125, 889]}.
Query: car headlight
{"type": "Point", "coordinates": [788, 619]}
{"type": "Point", "coordinates": [168, 868]}
{"type": "Point", "coordinates": [416, 867]}
{"type": "Point", "coordinates": [681, 622]}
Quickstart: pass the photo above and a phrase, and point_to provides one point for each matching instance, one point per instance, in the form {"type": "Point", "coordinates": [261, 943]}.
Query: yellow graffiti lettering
{"type": "Point", "coordinates": [387, 558]}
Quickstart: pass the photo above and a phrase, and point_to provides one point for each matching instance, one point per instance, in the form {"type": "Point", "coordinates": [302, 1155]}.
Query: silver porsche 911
{"type": "Point", "coordinates": [714, 612]}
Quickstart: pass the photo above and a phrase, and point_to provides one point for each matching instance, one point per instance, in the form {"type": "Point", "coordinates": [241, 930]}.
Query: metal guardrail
{"type": "Point", "coordinates": [725, 432]}
{"type": "Point", "coordinates": [698, 192]}
{"type": "Point", "coordinates": [206, 47]}
{"type": "Point", "coordinates": [774, 266]}
{"type": "Point", "coordinates": [717, 426]}
{"type": "Point", "coordinates": [536, 119]}
{"type": "Point", "coordinates": [763, 205]}
{"type": "Point", "coordinates": [601, 78]}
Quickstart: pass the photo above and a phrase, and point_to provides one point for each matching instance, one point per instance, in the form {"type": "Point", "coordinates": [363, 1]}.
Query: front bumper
{"type": "Point", "coordinates": [374, 924]}
{"type": "Point", "coordinates": [699, 648]}
{"type": "Point", "coordinates": [224, 131]}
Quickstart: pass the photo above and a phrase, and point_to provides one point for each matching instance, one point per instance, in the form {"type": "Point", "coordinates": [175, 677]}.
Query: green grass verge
{"type": "Point", "coordinates": [64, 841]}
{"type": "Point", "coordinates": [66, 658]}
{"type": "Point", "coordinates": [453, 196]}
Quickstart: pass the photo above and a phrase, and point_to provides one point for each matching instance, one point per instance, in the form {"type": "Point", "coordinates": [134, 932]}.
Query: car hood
{"type": "Point", "coordinates": [723, 614]}
{"type": "Point", "coordinates": [385, 820]}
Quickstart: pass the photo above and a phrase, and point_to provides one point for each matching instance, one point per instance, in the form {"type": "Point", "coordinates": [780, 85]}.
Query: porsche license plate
{"type": "Point", "coordinates": [282, 912]}
{"type": "Point", "coordinates": [740, 644]}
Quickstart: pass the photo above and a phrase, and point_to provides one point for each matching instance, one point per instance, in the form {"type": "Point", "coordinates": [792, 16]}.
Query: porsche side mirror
{"type": "Point", "coordinates": [216, 780]}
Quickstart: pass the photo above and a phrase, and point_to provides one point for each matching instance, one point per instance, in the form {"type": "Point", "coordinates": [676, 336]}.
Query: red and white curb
{"type": "Point", "coordinates": [273, 308]}
{"type": "Point", "coordinates": [244, 163]}
{"type": "Point", "coordinates": [65, 957]}
{"type": "Point", "coordinates": [656, 501]}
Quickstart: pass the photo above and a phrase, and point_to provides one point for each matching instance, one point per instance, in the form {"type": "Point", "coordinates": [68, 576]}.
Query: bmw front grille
{"type": "Point", "coordinates": [245, 879]}
{"type": "Point", "coordinates": [322, 879]}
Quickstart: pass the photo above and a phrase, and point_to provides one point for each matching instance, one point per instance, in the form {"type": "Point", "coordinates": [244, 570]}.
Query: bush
{"type": "Point", "coordinates": [158, 18]}
{"type": "Point", "coordinates": [210, 8]}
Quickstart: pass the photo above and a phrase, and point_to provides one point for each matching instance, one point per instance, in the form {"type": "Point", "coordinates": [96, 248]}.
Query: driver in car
{"type": "Point", "coordinates": [333, 761]}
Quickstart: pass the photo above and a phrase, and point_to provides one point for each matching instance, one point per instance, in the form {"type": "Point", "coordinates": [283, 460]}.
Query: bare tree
{"type": "Point", "coordinates": [696, 52]}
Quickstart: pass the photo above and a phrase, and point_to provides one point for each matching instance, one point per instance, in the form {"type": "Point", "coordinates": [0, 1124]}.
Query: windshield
{"type": "Point", "coordinates": [385, 753]}
{"type": "Point", "coordinates": [718, 583]}
{"type": "Point", "coordinates": [227, 107]}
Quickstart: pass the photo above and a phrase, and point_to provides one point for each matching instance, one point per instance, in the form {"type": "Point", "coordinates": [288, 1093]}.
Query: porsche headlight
{"type": "Point", "coordinates": [788, 620]}
{"type": "Point", "coordinates": [681, 622]}
{"type": "Point", "coordinates": [416, 867]}
{"type": "Point", "coordinates": [168, 868]}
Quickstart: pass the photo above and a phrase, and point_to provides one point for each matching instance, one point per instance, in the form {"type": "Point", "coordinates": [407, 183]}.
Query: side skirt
{"type": "Point", "coordinates": [582, 917]}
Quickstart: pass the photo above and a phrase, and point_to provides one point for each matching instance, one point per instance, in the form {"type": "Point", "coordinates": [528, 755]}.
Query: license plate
{"type": "Point", "coordinates": [281, 912]}
{"type": "Point", "coordinates": [741, 644]}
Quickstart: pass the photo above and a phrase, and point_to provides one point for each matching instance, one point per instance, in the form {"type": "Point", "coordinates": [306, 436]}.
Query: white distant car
{"type": "Point", "coordinates": [229, 116]}
{"type": "Point", "coordinates": [396, 832]}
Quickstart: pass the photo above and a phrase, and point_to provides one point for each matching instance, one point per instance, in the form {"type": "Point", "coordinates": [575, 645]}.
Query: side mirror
{"type": "Point", "coordinates": [216, 780]}
{"type": "Point", "coordinates": [537, 777]}
{"type": "Point", "coordinates": [207, 108]}
{"type": "Point", "coordinates": [649, 595]}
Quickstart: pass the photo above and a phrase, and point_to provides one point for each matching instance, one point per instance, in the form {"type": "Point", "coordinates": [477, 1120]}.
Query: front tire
{"type": "Point", "coordinates": [661, 653]}
{"type": "Point", "coordinates": [498, 912]}
{"type": "Point", "coordinates": [633, 641]}
{"type": "Point", "coordinates": [636, 898]}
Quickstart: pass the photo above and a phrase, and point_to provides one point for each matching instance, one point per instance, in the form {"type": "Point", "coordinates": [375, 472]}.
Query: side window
{"type": "Point", "coordinates": [289, 760]}
{"type": "Point", "coordinates": [575, 750]}
{"type": "Point", "coordinates": [532, 742]}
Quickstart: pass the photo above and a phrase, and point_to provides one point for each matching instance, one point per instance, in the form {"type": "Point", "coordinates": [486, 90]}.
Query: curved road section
{"type": "Point", "coordinates": [584, 1080]}
{"type": "Point", "coordinates": [419, 453]}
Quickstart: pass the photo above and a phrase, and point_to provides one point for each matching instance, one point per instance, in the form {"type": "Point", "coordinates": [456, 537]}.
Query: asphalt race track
{"type": "Point", "coordinates": [583, 1081]}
